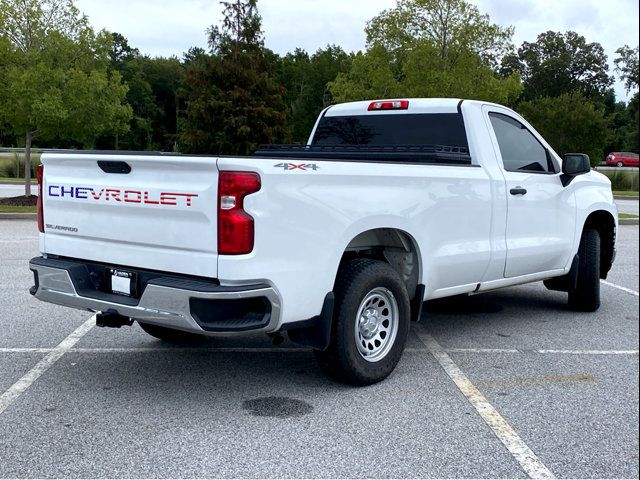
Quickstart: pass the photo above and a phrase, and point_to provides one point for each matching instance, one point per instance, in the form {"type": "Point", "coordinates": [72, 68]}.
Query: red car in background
{"type": "Point", "coordinates": [622, 159]}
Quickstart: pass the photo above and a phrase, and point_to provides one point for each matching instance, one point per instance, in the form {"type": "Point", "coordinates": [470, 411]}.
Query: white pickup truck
{"type": "Point", "coordinates": [337, 242]}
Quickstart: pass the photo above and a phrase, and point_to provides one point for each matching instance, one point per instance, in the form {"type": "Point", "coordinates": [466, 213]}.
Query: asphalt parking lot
{"type": "Point", "coordinates": [506, 384]}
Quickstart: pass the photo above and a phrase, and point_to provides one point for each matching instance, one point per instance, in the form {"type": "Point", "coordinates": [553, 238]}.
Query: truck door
{"type": "Point", "coordinates": [541, 213]}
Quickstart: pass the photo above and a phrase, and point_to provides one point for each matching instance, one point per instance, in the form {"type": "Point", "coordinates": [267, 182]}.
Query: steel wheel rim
{"type": "Point", "coordinates": [376, 325]}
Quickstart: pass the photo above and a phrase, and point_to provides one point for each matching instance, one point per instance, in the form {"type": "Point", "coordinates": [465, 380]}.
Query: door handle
{"type": "Point", "coordinates": [518, 191]}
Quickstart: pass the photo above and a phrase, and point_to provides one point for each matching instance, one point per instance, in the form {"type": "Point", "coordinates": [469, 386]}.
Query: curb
{"type": "Point", "coordinates": [628, 221]}
{"type": "Point", "coordinates": [625, 197]}
{"type": "Point", "coordinates": [18, 216]}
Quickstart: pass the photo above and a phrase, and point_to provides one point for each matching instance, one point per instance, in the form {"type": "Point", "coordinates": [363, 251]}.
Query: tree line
{"type": "Point", "coordinates": [64, 85]}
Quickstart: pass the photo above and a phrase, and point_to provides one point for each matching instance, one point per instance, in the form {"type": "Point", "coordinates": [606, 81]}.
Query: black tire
{"type": "Point", "coordinates": [619, 164]}
{"type": "Point", "coordinates": [169, 334]}
{"type": "Point", "coordinates": [357, 281]}
{"type": "Point", "coordinates": [586, 296]}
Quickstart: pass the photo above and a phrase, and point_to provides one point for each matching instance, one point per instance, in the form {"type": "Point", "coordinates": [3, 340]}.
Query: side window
{"type": "Point", "coordinates": [520, 150]}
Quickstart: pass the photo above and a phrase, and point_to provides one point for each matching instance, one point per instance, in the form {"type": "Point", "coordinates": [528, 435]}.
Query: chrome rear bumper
{"type": "Point", "coordinates": [184, 304]}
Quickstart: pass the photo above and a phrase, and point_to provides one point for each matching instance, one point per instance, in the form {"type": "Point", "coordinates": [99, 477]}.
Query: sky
{"type": "Point", "coordinates": [171, 27]}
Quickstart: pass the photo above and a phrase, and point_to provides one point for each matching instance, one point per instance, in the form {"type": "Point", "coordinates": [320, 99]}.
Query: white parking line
{"type": "Point", "coordinates": [619, 287]}
{"type": "Point", "coordinates": [542, 351]}
{"type": "Point", "coordinates": [482, 350]}
{"type": "Point", "coordinates": [18, 388]}
{"type": "Point", "coordinates": [193, 349]}
{"type": "Point", "coordinates": [26, 350]}
{"type": "Point", "coordinates": [589, 352]}
{"type": "Point", "coordinates": [528, 460]}
{"type": "Point", "coordinates": [162, 349]}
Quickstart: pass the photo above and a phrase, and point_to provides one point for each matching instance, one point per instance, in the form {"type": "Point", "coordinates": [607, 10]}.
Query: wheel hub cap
{"type": "Point", "coordinates": [369, 323]}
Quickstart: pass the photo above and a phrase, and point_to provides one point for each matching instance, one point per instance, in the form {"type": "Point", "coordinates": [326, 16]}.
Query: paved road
{"type": "Point", "coordinates": [14, 190]}
{"type": "Point", "coordinates": [121, 404]}
{"type": "Point", "coordinates": [628, 206]}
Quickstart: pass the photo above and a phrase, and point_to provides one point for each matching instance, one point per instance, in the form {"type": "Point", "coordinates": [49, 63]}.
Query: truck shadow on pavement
{"type": "Point", "coordinates": [510, 301]}
{"type": "Point", "coordinates": [532, 314]}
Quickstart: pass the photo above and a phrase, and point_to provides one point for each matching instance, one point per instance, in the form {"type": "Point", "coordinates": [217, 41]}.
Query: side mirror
{"type": "Point", "coordinates": [574, 164]}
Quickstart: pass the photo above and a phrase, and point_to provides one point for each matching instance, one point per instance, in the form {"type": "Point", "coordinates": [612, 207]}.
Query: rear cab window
{"type": "Point", "coordinates": [414, 131]}
{"type": "Point", "coordinates": [446, 129]}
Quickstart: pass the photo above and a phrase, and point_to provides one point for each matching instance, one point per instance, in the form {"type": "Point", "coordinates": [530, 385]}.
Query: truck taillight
{"type": "Point", "coordinates": [235, 226]}
{"type": "Point", "coordinates": [40, 177]}
{"type": "Point", "coordinates": [389, 105]}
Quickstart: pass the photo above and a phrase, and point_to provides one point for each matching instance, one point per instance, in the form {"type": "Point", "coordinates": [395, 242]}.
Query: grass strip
{"type": "Point", "coordinates": [16, 209]}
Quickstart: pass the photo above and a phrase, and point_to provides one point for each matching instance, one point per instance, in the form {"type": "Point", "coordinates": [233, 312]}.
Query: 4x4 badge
{"type": "Point", "coordinates": [298, 166]}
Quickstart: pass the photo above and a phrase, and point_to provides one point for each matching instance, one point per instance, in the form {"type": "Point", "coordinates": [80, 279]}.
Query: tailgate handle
{"type": "Point", "coordinates": [114, 167]}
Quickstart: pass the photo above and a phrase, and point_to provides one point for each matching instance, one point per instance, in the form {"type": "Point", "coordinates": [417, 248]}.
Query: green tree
{"type": "Point", "coordinates": [632, 133]}
{"type": "Point", "coordinates": [371, 76]}
{"type": "Point", "coordinates": [624, 121]}
{"type": "Point", "coordinates": [305, 78]}
{"type": "Point", "coordinates": [165, 75]}
{"type": "Point", "coordinates": [121, 51]}
{"type": "Point", "coordinates": [153, 95]}
{"type": "Point", "coordinates": [130, 65]}
{"type": "Point", "coordinates": [624, 118]}
{"type": "Point", "coordinates": [55, 79]}
{"type": "Point", "coordinates": [570, 123]}
{"type": "Point", "coordinates": [627, 66]}
{"type": "Point", "coordinates": [430, 48]}
{"type": "Point", "coordinates": [232, 101]}
{"type": "Point", "coordinates": [428, 75]}
{"type": "Point", "coordinates": [558, 63]}
{"type": "Point", "coordinates": [451, 27]}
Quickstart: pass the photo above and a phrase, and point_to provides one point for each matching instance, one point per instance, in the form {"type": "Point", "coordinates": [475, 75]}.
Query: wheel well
{"type": "Point", "coordinates": [390, 245]}
{"type": "Point", "coordinates": [604, 223]}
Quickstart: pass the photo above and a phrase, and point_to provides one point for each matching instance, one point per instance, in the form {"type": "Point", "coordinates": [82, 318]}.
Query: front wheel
{"type": "Point", "coordinates": [586, 296]}
{"type": "Point", "coordinates": [620, 164]}
{"type": "Point", "coordinates": [371, 323]}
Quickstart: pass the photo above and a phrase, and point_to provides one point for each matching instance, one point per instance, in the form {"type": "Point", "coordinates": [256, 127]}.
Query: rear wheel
{"type": "Point", "coordinates": [586, 296]}
{"type": "Point", "coordinates": [169, 334]}
{"type": "Point", "coordinates": [371, 323]}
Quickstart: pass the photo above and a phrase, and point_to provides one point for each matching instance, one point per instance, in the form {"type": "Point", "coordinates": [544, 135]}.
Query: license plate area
{"type": "Point", "coordinates": [122, 282]}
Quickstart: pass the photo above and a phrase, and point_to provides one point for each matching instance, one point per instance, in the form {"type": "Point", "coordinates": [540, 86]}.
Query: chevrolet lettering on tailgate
{"type": "Point", "coordinates": [122, 195]}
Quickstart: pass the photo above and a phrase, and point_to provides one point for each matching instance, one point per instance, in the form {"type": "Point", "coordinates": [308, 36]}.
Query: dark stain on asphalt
{"type": "Point", "coordinates": [277, 407]}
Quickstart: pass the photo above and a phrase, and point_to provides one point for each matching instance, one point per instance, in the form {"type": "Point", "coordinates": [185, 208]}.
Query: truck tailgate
{"type": "Point", "coordinates": [154, 212]}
